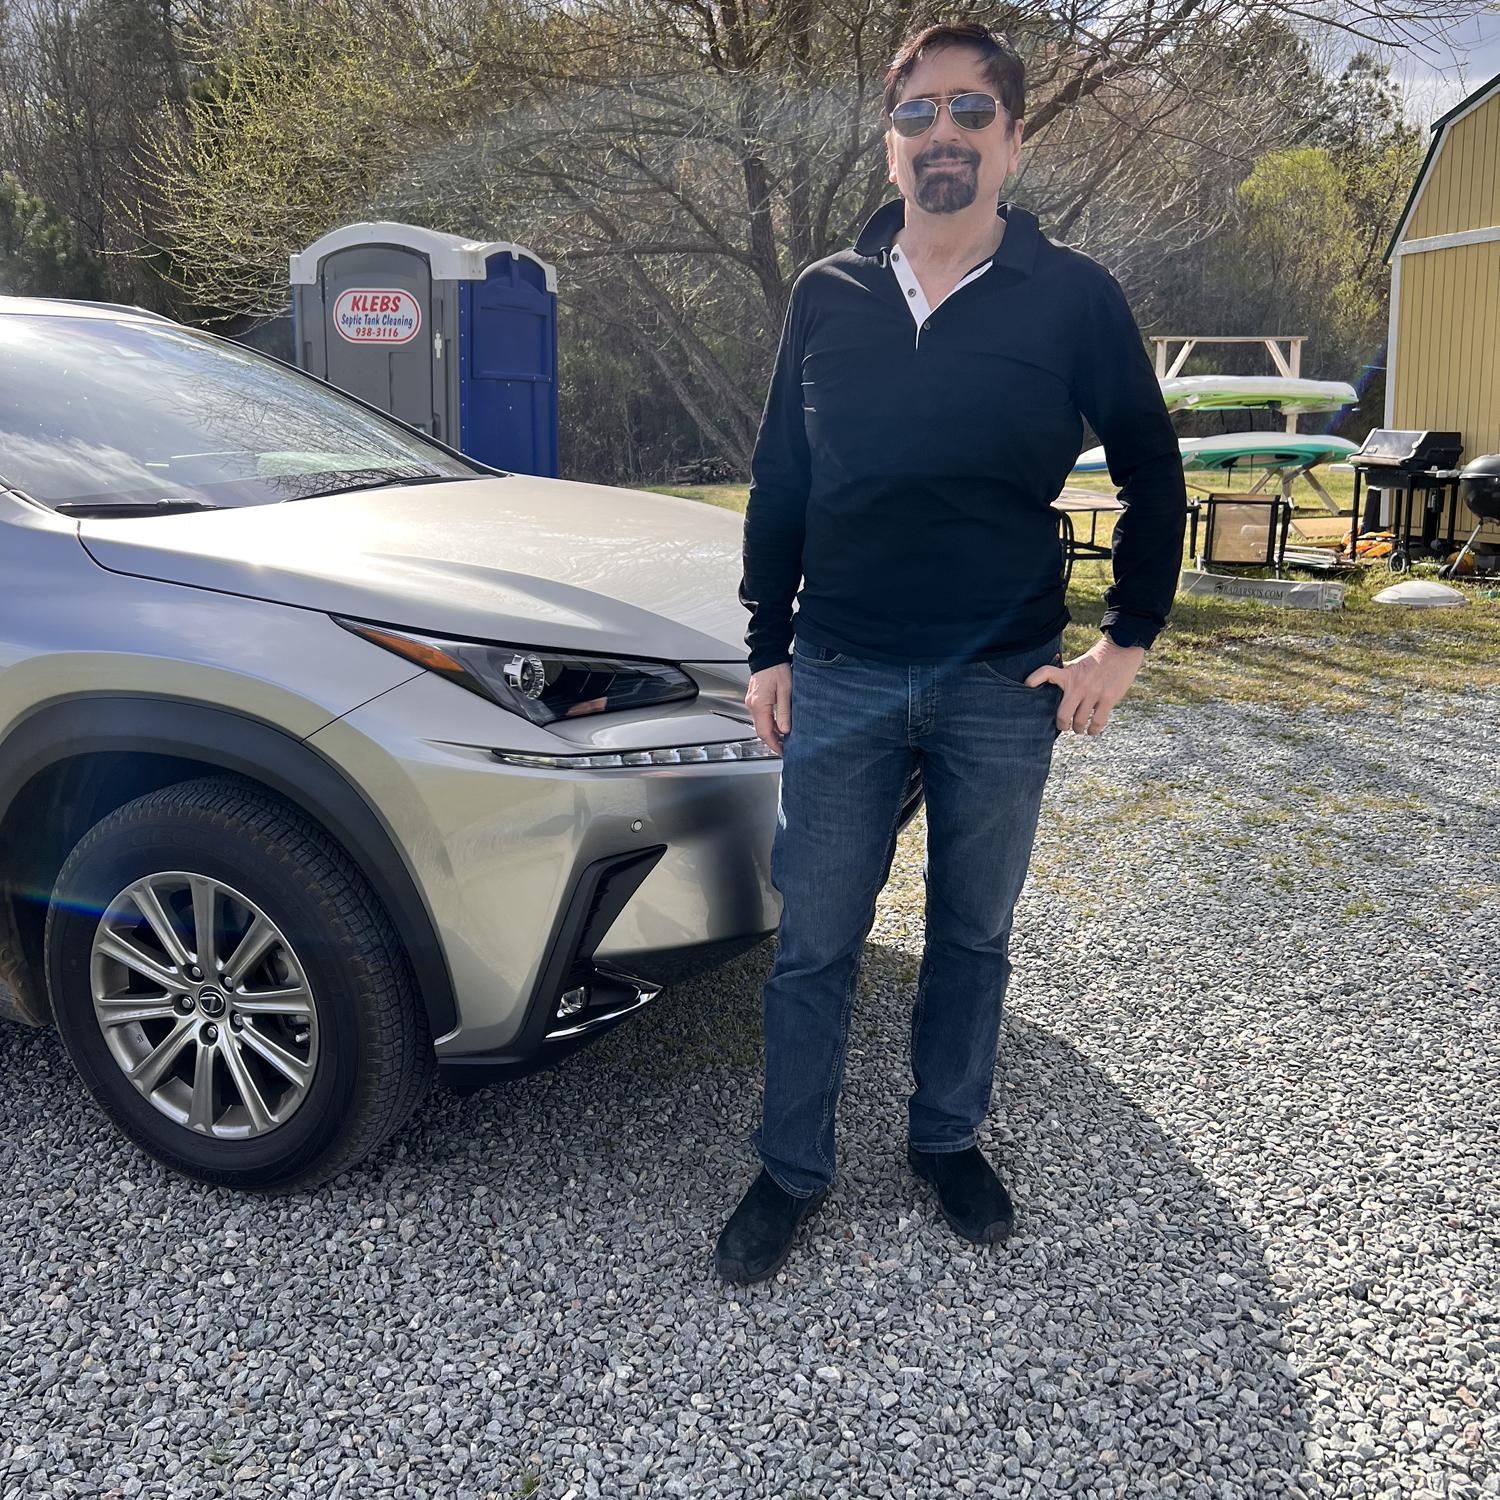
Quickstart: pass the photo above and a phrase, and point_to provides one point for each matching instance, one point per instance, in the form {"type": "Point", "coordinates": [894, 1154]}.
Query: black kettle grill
{"type": "Point", "coordinates": [1479, 489]}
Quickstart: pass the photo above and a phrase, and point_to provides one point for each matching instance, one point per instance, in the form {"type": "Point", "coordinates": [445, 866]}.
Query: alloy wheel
{"type": "Point", "coordinates": [204, 1005]}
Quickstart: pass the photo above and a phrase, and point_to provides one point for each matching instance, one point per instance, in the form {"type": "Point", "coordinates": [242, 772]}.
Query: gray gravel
{"type": "Point", "coordinates": [1246, 1105]}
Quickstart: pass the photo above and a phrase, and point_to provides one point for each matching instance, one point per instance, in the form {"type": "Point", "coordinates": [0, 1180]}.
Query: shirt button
{"type": "Point", "coordinates": [928, 323]}
{"type": "Point", "coordinates": [911, 291]}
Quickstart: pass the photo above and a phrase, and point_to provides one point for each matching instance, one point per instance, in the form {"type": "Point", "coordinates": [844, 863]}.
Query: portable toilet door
{"type": "Point", "coordinates": [508, 364]}
{"type": "Point", "coordinates": [367, 319]}
{"type": "Point", "coordinates": [379, 335]}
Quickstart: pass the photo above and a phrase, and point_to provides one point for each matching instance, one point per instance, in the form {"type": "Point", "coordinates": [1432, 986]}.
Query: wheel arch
{"type": "Point", "coordinates": [71, 762]}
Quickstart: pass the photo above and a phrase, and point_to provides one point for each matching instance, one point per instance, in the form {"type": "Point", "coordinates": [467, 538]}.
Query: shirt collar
{"type": "Point", "coordinates": [1017, 250]}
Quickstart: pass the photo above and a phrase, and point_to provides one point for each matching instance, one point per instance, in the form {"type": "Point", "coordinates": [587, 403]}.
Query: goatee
{"type": "Point", "coordinates": [948, 191]}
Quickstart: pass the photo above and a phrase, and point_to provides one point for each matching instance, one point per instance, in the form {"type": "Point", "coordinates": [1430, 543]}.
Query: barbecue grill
{"type": "Point", "coordinates": [1403, 462]}
{"type": "Point", "coordinates": [1479, 488]}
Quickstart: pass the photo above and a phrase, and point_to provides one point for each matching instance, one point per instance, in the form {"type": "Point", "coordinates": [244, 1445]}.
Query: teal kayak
{"type": "Point", "coordinates": [1244, 450]}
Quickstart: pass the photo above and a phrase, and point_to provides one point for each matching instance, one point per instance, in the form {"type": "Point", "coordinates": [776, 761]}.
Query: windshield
{"type": "Point", "coordinates": [97, 413]}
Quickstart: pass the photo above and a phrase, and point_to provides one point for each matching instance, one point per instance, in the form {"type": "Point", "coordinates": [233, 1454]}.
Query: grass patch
{"type": "Point", "coordinates": [1472, 894]}
{"type": "Point", "coordinates": [728, 496]}
{"type": "Point", "coordinates": [1242, 651]}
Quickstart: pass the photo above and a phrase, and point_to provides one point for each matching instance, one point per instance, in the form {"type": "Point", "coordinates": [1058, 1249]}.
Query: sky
{"type": "Point", "coordinates": [1436, 74]}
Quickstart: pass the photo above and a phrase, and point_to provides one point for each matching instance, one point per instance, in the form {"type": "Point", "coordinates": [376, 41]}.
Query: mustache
{"type": "Point", "coordinates": [927, 161]}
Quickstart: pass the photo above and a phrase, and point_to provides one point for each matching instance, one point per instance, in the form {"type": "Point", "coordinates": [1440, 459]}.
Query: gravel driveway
{"type": "Point", "coordinates": [1246, 1104]}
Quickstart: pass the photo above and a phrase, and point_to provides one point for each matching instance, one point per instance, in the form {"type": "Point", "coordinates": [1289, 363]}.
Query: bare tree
{"type": "Point", "coordinates": [683, 160]}
{"type": "Point", "coordinates": [79, 82]}
{"type": "Point", "coordinates": [684, 176]}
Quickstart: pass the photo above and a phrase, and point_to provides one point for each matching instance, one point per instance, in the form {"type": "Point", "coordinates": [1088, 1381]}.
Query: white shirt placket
{"type": "Point", "coordinates": [916, 298]}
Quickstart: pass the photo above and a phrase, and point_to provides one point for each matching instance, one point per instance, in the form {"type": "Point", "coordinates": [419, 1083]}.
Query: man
{"type": "Point", "coordinates": [925, 410]}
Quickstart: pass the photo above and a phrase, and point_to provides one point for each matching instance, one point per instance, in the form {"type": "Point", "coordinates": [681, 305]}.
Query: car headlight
{"type": "Point", "coordinates": [540, 684]}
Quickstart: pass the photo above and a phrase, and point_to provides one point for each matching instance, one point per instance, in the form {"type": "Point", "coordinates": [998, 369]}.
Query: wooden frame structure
{"type": "Point", "coordinates": [1288, 363]}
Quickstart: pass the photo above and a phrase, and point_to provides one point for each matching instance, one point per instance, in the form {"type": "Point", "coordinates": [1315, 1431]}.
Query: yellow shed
{"type": "Point", "coordinates": [1443, 358]}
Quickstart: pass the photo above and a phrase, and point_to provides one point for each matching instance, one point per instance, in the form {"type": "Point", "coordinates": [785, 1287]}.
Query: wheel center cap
{"type": "Point", "coordinates": [211, 1002]}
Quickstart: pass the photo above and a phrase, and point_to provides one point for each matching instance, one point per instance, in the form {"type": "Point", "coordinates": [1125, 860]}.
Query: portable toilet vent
{"type": "Point", "coordinates": [455, 336]}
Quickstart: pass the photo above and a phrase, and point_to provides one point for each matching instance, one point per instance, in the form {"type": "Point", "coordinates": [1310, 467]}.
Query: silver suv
{"type": "Point", "coordinates": [331, 760]}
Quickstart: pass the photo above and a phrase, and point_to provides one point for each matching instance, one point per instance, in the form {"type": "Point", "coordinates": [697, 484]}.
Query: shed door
{"type": "Point", "coordinates": [378, 326]}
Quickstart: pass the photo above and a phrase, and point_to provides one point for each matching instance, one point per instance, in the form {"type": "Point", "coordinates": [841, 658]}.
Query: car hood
{"type": "Point", "coordinates": [515, 558]}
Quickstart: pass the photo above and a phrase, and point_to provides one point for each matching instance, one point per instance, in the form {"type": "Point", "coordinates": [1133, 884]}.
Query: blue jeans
{"type": "Point", "coordinates": [984, 741]}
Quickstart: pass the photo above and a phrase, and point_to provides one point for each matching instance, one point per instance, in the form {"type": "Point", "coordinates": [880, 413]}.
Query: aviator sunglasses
{"type": "Point", "coordinates": [967, 111]}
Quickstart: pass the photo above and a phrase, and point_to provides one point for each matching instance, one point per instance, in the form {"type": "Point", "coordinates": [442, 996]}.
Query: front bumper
{"type": "Point", "coordinates": [564, 899]}
{"type": "Point", "coordinates": [574, 974]}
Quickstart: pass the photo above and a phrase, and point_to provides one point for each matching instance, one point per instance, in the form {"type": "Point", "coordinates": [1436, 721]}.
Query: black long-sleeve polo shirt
{"type": "Point", "coordinates": [904, 472]}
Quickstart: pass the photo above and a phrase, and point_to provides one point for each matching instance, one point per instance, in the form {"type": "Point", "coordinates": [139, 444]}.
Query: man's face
{"type": "Point", "coordinates": [945, 169]}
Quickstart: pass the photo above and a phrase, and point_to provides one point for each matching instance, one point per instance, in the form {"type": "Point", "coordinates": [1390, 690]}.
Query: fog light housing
{"type": "Point", "coordinates": [573, 1001]}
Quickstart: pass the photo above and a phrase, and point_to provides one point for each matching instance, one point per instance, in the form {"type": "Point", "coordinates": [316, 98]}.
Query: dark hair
{"type": "Point", "coordinates": [1002, 64]}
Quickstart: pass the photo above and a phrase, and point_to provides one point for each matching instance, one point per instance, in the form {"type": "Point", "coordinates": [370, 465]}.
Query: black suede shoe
{"type": "Point", "coordinates": [756, 1241]}
{"type": "Point", "coordinates": [971, 1196]}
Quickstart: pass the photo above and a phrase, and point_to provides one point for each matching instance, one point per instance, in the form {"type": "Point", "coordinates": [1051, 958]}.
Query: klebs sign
{"type": "Point", "coordinates": [377, 315]}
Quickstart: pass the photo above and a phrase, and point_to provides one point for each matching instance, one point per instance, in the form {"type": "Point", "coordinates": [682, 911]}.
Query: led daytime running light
{"type": "Point", "coordinates": [668, 755]}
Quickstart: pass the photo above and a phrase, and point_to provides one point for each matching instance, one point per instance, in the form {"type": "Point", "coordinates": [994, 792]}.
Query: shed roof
{"type": "Point", "coordinates": [1439, 134]}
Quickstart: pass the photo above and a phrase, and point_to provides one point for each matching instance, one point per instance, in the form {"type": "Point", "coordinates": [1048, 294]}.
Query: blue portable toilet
{"type": "Point", "coordinates": [456, 336]}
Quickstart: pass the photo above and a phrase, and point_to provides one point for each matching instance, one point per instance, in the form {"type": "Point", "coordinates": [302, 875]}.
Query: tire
{"type": "Point", "coordinates": [336, 1008]}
